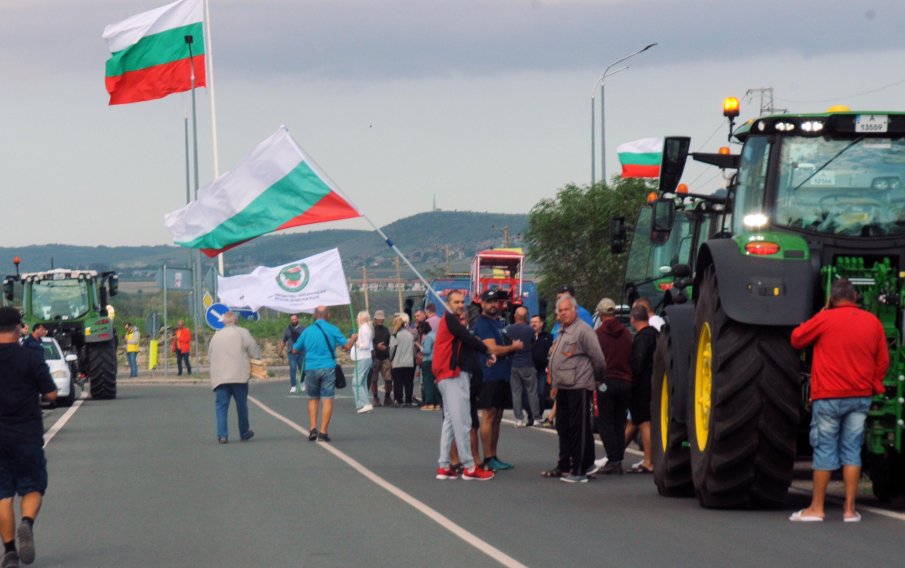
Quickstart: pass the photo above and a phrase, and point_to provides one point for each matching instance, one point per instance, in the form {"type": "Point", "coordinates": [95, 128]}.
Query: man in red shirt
{"type": "Point", "coordinates": [182, 345]}
{"type": "Point", "coordinates": [850, 361]}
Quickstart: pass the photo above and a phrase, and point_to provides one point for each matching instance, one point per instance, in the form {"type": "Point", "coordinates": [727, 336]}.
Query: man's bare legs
{"type": "Point", "coordinates": [851, 476]}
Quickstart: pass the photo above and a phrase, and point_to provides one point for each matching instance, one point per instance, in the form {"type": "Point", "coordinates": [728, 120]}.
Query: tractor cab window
{"type": "Point", "coordinates": [651, 259]}
{"type": "Point", "coordinates": [752, 176]}
{"type": "Point", "coordinates": [850, 186]}
{"type": "Point", "coordinates": [59, 299]}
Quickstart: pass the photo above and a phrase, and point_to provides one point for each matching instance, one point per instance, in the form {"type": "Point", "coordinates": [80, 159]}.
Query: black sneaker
{"type": "Point", "coordinates": [612, 468]}
{"type": "Point", "coordinates": [248, 436]}
{"type": "Point", "coordinates": [25, 541]}
{"type": "Point", "coordinates": [312, 435]}
{"type": "Point", "coordinates": [323, 437]}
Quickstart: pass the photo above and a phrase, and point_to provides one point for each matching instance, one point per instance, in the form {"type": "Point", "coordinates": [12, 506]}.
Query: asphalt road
{"type": "Point", "coordinates": [141, 481]}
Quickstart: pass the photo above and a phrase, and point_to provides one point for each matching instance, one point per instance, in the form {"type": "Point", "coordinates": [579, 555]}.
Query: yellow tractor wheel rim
{"type": "Point", "coordinates": [703, 385]}
{"type": "Point", "coordinates": [664, 413]}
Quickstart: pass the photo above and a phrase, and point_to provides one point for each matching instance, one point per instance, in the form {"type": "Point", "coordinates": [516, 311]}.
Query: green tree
{"type": "Point", "coordinates": [568, 236]}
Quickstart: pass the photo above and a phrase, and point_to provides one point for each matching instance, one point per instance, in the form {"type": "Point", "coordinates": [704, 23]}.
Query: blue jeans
{"type": "Point", "coordinates": [132, 357]}
{"type": "Point", "coordinates": [837, 431]}
{"type": "Point", "coordinates": [296, 361]}
{"type": "Point", "coordinates": [360, 382]}
{"type": "Point", "coordinates": [456, 419]}
{"type": "Point", "coordinates": [238, 391]}
{"type": "Point", "coordinates": [321, 383]}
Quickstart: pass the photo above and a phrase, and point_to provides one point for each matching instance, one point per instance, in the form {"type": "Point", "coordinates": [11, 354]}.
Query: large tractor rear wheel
{"type": "Point", "coordinates": [671, 456]}
{"type": "Point", "coordinates": [102, 370]}
{"type": "Point", "coordinates": [743, 409]}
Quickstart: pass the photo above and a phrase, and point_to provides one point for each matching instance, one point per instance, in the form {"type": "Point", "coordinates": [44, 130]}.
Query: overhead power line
{"type": "Point", "coordinates": [834, 99]}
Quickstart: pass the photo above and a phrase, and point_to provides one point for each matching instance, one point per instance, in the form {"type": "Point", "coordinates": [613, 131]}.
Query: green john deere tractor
{"type": "Point", "coordinates": [72, 305]}
{"type": "Point", "coordinates": [813, 198]}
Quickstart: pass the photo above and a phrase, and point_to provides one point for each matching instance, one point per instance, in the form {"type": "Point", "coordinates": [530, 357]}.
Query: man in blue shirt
{"type": "Point", "coordinates": [319, 342]}
{"type": "Point", "coordinates": [35, 340]}
{"type": "Point", "coordinates": [524, 377]}
{"type": "Point", "coordinates": [496, 392]}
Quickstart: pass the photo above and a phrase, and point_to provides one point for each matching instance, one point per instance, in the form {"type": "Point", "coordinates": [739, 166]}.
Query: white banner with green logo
{"type": "Point", "coordinates": [299, 286]}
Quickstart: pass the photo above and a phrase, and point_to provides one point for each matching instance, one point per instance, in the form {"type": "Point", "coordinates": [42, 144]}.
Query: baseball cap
{"type": "Point", "coordinates": [606, 306]}
{"type": "Point", "coordinates": [493, 295]}
{"type": "Point", "coordinates": [10, 316]}
{"type": "Point", "coordinates": [566, 289]}
{"type": "Point", "coordinates": [379, 315]}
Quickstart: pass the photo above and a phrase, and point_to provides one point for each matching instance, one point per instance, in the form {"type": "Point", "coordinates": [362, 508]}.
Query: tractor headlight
{"type": "Point", "coordinates": [755, 220]}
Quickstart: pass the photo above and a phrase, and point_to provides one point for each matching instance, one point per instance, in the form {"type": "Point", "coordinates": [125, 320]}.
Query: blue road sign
{"type": "Point", "coordinates": [246, 314]}
{"type": "Point", "coordinates": [214, 315]}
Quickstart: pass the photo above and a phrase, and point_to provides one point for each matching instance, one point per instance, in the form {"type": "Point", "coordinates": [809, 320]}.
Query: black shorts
{"type": "Point", "coordinates": [495, 394]}
{"type": "Point", "coordinates": [23, 470]}
{"type": "Point", "coordinates": [640, 402]}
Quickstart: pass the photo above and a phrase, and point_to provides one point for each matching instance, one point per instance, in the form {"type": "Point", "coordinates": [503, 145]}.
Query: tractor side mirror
{"type": "Point", "coordinates": [663, 216]}
{"type": "Point", "coordinates": [675, 152]}
{"type": "Point", "coordinates": [8, 287]}
{"type": "Point", "coordinates": [617, 234]}
{"type": "Point", "coordinates": [113, 284]}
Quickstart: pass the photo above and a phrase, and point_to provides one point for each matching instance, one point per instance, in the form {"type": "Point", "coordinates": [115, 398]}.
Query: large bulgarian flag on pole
{"type": "Point", "coordinates": [150, 57]}
{"type": "Point", "coordinates": [275, 187]}
{"type": "Point", "coordinates": [641, 158]}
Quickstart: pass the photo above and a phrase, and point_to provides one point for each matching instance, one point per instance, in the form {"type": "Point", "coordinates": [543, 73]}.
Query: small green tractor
{"type": "Point", "coordinates": [72, 305]}
{"type": "Point", "coordinates": [812, 198]}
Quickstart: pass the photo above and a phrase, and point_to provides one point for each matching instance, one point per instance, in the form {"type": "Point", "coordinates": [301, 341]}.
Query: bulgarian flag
{"type": "Point", "coordinates": [149, 54]}
{"type": "Point", "coordinates": [641, 158]}
{"type": "Point", "coordinates": [275, 187]}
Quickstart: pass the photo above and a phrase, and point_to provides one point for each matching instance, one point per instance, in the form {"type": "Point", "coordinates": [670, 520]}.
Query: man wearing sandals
{"type": "Point", "coordinates": [577, 365]}
{"type": "Point", "coordinates": [850, 361]}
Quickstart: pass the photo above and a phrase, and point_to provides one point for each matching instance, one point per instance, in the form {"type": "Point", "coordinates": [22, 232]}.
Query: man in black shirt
{"type": "Point", "coordinates": [24, 379]}
{"type": "Point", "coordinates": [35, 340]}
{"type": "Point", "coordinates": [381, 360]}
{"type": "Point", "coordinates": [540, 352]}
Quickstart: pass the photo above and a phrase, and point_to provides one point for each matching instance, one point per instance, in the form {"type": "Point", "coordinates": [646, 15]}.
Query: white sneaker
{"type": "Point", "coordinates": [365, 409]}
{"type": "Point", "coordinates": [520, 423]}
{"type": "Point", "coordinates": [291, 390]}
{"type": "Point", "coordinates": [601, 462]}
{"type": "Point", "coordinates": [538, 423]}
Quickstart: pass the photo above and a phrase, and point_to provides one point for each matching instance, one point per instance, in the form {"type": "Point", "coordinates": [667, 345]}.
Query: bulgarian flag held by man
{"type": "Point", "coordinates": [275, 187]}
{"type": "Point", "coordinates": [150, 55]}
{"type": "Point", "coordinates": [641, 158]}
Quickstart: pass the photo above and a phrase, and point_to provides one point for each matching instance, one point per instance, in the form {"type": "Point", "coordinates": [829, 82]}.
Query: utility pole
{"type": "Point", "coordinates": [364, 287]}
{"type": "Point", "coordinates": [447, 259]}
{"type": "Point", "coordinates": [766, 100]}
{"type": "Point", "coordinates": [399, 283]}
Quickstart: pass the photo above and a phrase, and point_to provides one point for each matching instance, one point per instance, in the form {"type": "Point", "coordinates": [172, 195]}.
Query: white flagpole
{"type": "Point", "coordinates": [209, 64]}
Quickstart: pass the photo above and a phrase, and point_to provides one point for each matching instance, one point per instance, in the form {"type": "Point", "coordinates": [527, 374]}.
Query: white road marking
{"type": "Point", "coordinates": [58, 425]}
{"type": "Point", "coordinates": [434, 515]}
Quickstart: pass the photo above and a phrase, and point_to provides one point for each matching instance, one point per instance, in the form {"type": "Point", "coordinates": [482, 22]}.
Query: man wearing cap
{"type": "Point", "coordinates": [25, 380]}
{"type": "Point", "coordinates": [616, 343]}
{"type": "Point", "coordinates": [583, 314]}
{"type": "Point", "coordinates": [381, 358]}
{"type": "Point", "coordinates": [496, 392]}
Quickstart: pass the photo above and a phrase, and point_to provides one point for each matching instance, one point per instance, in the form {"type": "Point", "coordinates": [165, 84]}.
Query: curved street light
{"type": "Point", "coordinates": [607, 72]}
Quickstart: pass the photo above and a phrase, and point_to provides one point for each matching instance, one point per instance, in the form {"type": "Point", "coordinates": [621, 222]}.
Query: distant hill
{"type": "Point", "coordinates": [422, 238]}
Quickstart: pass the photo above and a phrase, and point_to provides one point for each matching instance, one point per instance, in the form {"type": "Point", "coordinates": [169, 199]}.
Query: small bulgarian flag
{"type": "Point", "coordinates": [149, 54]}
{"type": "Point", "coordinates": [641, 158]}
{"type": "Point", "coordinates": [275, 187]}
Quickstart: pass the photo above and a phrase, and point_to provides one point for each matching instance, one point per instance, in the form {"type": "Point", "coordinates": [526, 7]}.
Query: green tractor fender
{"type": "Point", "coordinates": [775, 289]}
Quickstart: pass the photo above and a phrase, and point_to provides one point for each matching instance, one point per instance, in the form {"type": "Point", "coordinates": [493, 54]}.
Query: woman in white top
{"type": "Point", "coordinates": [361, 357]}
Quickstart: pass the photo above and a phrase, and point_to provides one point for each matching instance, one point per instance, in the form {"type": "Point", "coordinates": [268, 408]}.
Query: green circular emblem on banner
{"type": "Point", "coordinates": [294, 277]}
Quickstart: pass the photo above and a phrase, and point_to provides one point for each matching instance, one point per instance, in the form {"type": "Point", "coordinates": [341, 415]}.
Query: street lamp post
{"type": "Point", "coordinates": [602, 82]}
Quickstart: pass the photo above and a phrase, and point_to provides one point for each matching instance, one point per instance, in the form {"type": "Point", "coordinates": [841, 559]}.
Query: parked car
{"type": "Point", "coordinates": [61, 371]}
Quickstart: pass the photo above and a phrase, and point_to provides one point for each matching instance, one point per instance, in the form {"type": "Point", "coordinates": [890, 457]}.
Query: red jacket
{"type": "Point", "coordinates": [850, 352]}
{"type": "Point", "coordinates": [453, 340]}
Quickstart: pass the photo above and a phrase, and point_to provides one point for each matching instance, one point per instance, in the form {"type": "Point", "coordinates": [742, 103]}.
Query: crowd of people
{"type": "Point", "coordinates": [596, 371]}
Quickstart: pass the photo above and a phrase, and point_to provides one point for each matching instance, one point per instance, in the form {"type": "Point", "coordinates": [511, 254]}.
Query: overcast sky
{"type": "Point", "coordinates": [484, 104]}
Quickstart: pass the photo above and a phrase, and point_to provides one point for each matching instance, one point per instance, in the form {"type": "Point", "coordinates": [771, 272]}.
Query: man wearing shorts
{"type": "Point", "coordinates": [850, 361]}
{"type": "Point", "coordinates": [642, 360]}
{"type": "Point", "coordinates": [24, 380]}
{"type": "Point", "coordinates": [319, 342]}
{"type": "Point", "coordinates": [496, 392]}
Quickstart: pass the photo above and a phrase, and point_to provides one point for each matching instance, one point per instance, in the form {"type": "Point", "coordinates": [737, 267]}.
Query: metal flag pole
{"type": "Point", "coordinates": [166, 328]}
{"type": "Point", "coordinates": [196, 265]}
{"type": "Point", "coordinates": [319, 171]}
{"type": "Point", "coordinates": [209, 66]}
